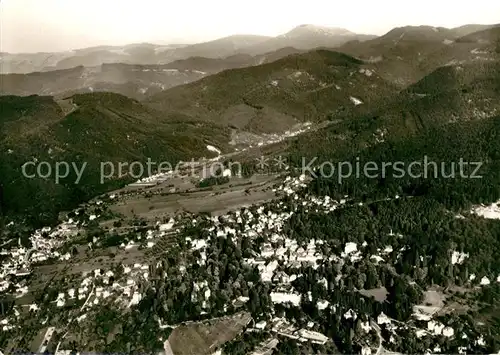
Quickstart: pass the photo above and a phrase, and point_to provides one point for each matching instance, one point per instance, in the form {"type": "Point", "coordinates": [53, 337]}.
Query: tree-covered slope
{"type": "Point", "coordinates": [87, 129]}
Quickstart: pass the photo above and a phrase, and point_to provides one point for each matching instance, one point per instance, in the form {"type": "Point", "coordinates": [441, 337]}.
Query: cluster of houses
{"type": "Point", "coordinates": [278, 250]}
{"type": "Point", "coordinates": [282, 327]}
{"type": "Point", "coordinates": [424, 325]}
{"type": "Point", "coordinates": [18, 260]}
{"type": "Point", "coordinates": [490, 212]}
{"type": "Point", "coordinates": [276, 254]}
{"type": "Point", "coordinates": [96, 286]}
{"type": "Point", "coordinates": [245, 223]}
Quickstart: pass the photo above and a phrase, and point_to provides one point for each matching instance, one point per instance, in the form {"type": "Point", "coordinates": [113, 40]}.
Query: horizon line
{"type": "Point", "coordinates": [181, 42]}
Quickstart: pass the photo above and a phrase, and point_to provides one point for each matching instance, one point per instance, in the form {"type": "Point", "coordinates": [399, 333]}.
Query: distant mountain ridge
{"type": "Point", "coordinates": [307, 37]}
{"type": "Point", "coordinates": [301, 87]}
{"type": "Point", "coordinates": [404, 55]}
{"type": "Point", "coordinates": [332, 31]}
{"type": "Point", "coordinates": [132, 80]}
{"type": "Point", "coordinates": [302, 37]}
{"type": "Point", "coordinates": [135, 81]}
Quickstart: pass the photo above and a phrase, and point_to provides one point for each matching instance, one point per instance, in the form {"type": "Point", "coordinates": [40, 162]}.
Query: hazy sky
{"type": "Point", "coordinates": [54, 25]}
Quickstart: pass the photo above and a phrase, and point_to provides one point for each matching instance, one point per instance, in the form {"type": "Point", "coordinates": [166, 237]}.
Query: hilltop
{"type": "Point", "coordinates": [402, 56]}
{"type": "Point", "coordinates": [304, 37]}
{"type": "Point", "coordinates": [219, 48]}
{"type": "Point", "coordinates": [139, 53]}
{"type": "Point", "coordinates": [405, 55]}
{"type": "Point", "coordinates": [132, 80]}
{"type": "Point", "coordinates": [307, 37]}
{"type": "Point", "coordinates": [303, 87]}
{"type": "Point", "coordinates": [88, 128]}
{"type": "Point", "coordinates": [459, 98]}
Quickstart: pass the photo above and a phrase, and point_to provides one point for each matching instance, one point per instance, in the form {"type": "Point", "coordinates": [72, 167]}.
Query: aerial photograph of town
{"type": "Point", "coordinates": [259, 178]}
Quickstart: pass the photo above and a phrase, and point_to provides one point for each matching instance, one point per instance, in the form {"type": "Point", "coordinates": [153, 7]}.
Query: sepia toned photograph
{"type": "Point", "coordinates": [249, 178]}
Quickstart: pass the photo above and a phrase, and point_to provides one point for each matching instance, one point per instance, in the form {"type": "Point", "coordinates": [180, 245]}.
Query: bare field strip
{"type": "Point", "coordinates": [203, 338]}
{"type": "Point", "coordinates": [219, 199]}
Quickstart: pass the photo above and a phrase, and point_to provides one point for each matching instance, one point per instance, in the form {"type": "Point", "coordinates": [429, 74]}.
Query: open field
{"type": "Point", "coordinates": [204, 337]}
{"type": "Point", "coordinates": [154, 203]}
{"type": "Point", "coordinates": [380, 294]}
{"type": "Point", "coordinates": [432, 303]}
